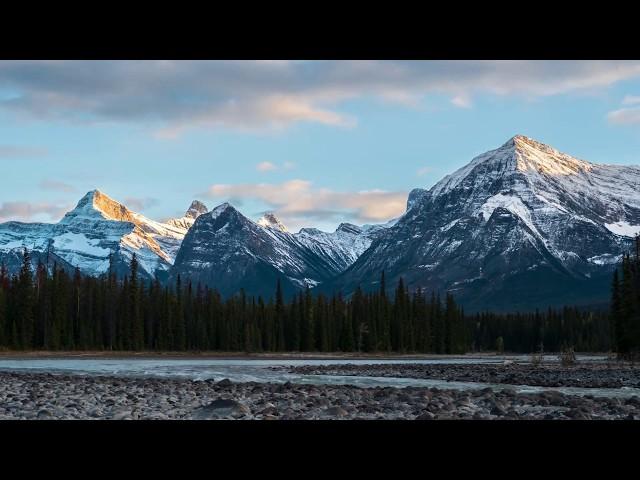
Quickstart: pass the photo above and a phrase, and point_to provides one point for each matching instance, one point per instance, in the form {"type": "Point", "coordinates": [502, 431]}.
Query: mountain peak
{"type": "Point", "coordinates": [520, 155]}
{"type": "Point", "coordinates": [270, 220]}
{"type": "Point", "coordinates": [349, 228]}
{"type": "Point", "coordinates": [522, 143]}
{"type": "Point", "coordinates": [220, 209]}
{"type": "Point", "coordinates": [95, 203]}
{"type": "Point", "coordinates": [196, 209]}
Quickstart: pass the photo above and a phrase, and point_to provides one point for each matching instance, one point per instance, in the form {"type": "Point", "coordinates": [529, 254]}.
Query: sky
{"type": "Point", "coordinates": [316, 142]}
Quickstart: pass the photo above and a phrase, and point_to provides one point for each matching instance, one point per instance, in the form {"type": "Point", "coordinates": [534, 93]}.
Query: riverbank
{"type": "Point", "coordinates": [46, 396]}
{"type": "Point", "coordinates": [116, 355]}
{"type": "Point", "coordinates": [584, 375]}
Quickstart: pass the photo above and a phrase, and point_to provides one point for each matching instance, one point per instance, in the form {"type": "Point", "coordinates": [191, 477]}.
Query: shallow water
{"type": "Point", "coordinates": [239, 370]}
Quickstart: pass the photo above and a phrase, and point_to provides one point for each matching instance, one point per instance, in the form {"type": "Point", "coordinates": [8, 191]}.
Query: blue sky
{"type": "Point", "coordinates": [316, 142]}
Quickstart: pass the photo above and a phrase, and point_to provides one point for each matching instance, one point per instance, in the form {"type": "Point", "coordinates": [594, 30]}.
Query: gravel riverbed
{"type": "Point", "coordinates": [594, 375]}
{"type": "Point", "coordinates": [48, 396]}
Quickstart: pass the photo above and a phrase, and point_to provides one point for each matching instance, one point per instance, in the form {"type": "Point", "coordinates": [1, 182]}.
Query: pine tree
{"type": "Point", "coordinates": [384, 330]}
{"type": "Point", "coordinates": [135, 314]}
{"type": "Point", "coordinates": [24, 305]}
{"type": "Point", "coordinates": [279, 318]}
{"type": "Point", "coordinates": [616, 311]}
{"type": "Point", "coordinates": [179, 326]}
{"type": "Point", "coordinates": [3, 315]}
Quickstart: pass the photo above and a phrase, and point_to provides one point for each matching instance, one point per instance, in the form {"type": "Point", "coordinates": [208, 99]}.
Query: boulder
{"type": "Point", "coordinates": [220, 408]}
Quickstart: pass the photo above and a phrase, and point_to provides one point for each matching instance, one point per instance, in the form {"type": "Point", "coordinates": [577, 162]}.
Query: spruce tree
{"type": "Point", "coordinates": [279, 318]}
{"type": "Point", "coordinates": [24, 305]}
{"type": "Point", "coordinates": [135, 314]}
{"type": "Point", "coordinates": [616, 311]}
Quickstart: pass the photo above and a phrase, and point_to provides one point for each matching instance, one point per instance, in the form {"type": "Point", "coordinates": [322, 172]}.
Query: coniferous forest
{"type": "Point", "coordinates": [50, 309]}
{"type": "Point", "coordinates": [625, 306]}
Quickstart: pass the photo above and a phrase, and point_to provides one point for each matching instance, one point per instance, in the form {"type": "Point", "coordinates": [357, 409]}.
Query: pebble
{"type": "Point", "coordinates": [62, 396]}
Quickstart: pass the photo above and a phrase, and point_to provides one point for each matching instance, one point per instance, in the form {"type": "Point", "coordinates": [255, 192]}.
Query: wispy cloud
{"type": "Point", "coordinates": [173, 96]}
{"type": "Point", "coordinates": [423, 171]}
{"type": "Point", "coordinates": [299, 203]}
{"type": "Point", "coordinates": [631, 100]}
{"type": "Point", "coordinates": [137, 204]}
{"type": "Point", "coordinates": [462, 101]}
{"type": "Point", "coordinates": [629, 114]}
{"type": "Point", "coordinates": [16, 151]}
{"type": "Point", "coordinates": [265, 167]}
{"type": "Point", "coordinates": [24, 211]}
{"type": "Point", "coordinates": [624, 116]}
{"type": "Point", "coordinates": [270, 167]}
{"type": "Point", "coordinates": [56, 186]}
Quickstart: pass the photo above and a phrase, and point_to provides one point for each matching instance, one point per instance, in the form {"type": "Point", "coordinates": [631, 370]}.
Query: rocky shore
{"type": "Point", "coordinates": [47, 396]}
{"type": "Point", "coordinates": [593, 375]}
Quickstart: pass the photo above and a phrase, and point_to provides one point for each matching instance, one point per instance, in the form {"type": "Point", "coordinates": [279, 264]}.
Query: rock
{"type": "Point", "coordinates": [426, 416]}
{"type": "Point", "coordinates": [498, 410]}
{"type": "Point", "coordinates": [335, 412]}
{"type": "Point", "coordinates": [269, 410]}
{"type": "Point", "coordinates": [123, 415]}
{"type": "Point", "coordinates": [220, 408]}
{"type": "Point", "coordinates": [224, 383]}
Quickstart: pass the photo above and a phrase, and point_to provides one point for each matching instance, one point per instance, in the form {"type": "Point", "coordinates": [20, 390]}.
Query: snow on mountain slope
{"type": "Point", "coordinates": [521, 212]}
{"type": "Point", "coordinates": [97, 228]}
{"type": "Point", "coordinates": [184, 223]}
{"type": "Point", "coordinates": [344, 245]}
{"type": "Point", "coordinates": [226, 250]}
{"type": "Point", "coordinates": [270, 220]}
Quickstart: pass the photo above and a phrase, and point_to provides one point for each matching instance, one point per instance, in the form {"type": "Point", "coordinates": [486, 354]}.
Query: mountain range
{"type": "Point", "coordinates": [520, 227]}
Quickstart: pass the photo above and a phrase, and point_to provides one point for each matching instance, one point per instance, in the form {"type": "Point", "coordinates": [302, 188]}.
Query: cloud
{"type": "Point", "coordinates": [423, 171]}
{"type": "Point", "coordinates": [56, 186]}
{"type": "Point", "coordinates": [173, 96]}
{"type": "Point", "coordinates": [624, 116]}
{"type": "Point", "coordinates": [462, 101]}
{"type": "Point", "coordinates": [14, 151]}
{"type": "Point", "coordinates": [630, 100]}
{"type": "Point", "coordinates": [299, 202]}
{"type": "Point", "coordinates": [628, 115]}
{"type": "Point", "coordinates": [24, 211]}
{"type": "Point", "coordinates": [265, 167]}
{"type": "Point", "coordinates": [138, 204]}
{"type": "Point", "coordinates": [270, 167]}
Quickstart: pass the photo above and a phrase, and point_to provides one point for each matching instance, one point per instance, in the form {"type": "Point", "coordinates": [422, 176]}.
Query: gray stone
{"type": "Point", "coordinates": [220, 408]}
{"type": "Point", "coordinates": [335, 412]}
{"type": "Point", "coordinates": [426, 416]}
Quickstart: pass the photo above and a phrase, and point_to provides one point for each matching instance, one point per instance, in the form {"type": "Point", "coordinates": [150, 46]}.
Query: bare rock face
{"type": "Point", "coordinates": [520, 227]}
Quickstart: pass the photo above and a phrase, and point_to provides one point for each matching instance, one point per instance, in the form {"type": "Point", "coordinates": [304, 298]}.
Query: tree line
{"type": "Point", "coordinates": [552, 330]}
{"type": "Point", "coordinates": [53, 310]}
{"type": "Point", "coordinates": [625, 305]}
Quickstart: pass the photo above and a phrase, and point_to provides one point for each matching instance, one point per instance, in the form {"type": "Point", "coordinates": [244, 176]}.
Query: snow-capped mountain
{"type": "Point", "coordinates": [519, 227]}
{"type": "Point", "coordinates": [345, 245]}
{"type": "Point", "coordinates": [270, 220]}
{"type": "Point", "coordinates": [196, 209]}
{"type": "Point", "coordinates": [95, 230]}
{"type": "Point", "coordinates": [228, 251]}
